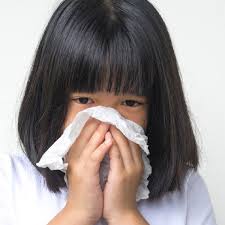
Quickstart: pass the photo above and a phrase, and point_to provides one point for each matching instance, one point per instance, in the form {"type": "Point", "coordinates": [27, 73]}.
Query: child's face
{"type": "Point", "coordinates": [131, 107]}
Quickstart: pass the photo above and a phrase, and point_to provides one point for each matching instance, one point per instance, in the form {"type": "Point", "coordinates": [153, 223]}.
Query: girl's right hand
{"type": "Point", "coordinates": [85, 196]}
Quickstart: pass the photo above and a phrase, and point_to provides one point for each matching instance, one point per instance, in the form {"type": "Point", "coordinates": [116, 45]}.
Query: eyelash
{"type": "Point", "coordinates": [139, 103]}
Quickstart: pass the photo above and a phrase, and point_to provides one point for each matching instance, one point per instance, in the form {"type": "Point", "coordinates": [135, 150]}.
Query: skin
{"type": "Point", "coordinates": [126, 165]}
{"type": "Point", "coordinates": [136, 113]}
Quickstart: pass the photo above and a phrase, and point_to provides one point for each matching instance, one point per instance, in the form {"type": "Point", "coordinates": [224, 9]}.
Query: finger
{"type": "Point", "coordinates": [98, 155]}
{"type": "Point", "coordinates": [123, 146]}
{"type": "Point", "coordinates": [137, 153]}
{"type": "Point", "coordinates": [96, 139]}
{"type": "Point", "coordinates": [116, 161]}
{"type": "Point", "coordinates": [87, 131]}
{"type": "Point", "coordinates": [85, 134]}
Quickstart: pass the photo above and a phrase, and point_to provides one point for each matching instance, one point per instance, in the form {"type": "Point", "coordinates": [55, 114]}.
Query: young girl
{"type": "Point", "coordinates": [115, 53]}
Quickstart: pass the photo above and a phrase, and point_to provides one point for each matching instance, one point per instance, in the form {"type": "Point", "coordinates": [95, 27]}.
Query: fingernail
{"type": "Point", "coordinates": [108, 141]}
{"type": "Point", "coordinates": [108, 138]}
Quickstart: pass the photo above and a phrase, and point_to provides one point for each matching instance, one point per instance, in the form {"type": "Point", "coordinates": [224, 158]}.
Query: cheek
{"type": "Point", "coordinates": [142, 122]}
{"type": "Point", "coordinates": [139, 117]}
{"type": "Point", "coordinates": [142, 119]}
{"type": "Point", "coordinates": [71, 113]}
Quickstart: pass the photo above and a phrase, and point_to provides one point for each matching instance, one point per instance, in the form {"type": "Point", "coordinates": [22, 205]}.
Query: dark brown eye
{"type": "Point", "coordinates": [82, 100]}
{"type": "Point", "coordinates": [131, 103]}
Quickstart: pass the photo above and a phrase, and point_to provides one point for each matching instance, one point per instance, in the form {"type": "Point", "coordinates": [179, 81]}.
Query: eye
{"type": "Point", "coordinates": [130, 103]}
{"type": "Point", "coordinates": [82, 100]}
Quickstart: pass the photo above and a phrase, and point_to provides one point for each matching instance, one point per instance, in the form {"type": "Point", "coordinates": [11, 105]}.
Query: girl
{"type": "Point", "coordinates": [116, 53]}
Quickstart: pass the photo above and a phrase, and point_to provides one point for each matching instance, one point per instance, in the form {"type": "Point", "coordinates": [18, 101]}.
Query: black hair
{"type": "Point", "coordinates": [121, 46]}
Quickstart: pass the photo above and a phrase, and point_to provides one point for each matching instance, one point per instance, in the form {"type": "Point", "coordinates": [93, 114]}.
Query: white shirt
{"type": "Point", "coordinates": [25, 199]}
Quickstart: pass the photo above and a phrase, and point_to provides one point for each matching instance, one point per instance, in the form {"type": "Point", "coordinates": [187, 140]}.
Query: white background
{"type": "Point", "coordinates": [197, 29]}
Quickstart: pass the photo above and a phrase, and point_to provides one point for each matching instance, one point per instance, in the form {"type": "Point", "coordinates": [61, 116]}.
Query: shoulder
{"type": "Point", "coordinates": [196, 190]}
{"type": "Point", "coordinates": [17, 170]}
{"type": "Point", "coordinates": [11, 162]}
{"type": "Point", "coordinates": [195, 183]}
{"type": "Point", "coordinates": [9, 158]}
{"type": "Point", "coordinates": [23, 190]}
{"type": "Point", "coordinates": [13, 171]}
{"type": "Point", "coordinates": [199, 204]}
{"type": "Point", "coordinates": [191, 205]}
{"type": "Point", "coordinates": [8, 164]}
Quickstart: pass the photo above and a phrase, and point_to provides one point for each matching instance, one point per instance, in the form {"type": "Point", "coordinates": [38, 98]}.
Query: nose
{"type": "Point", "coordinates": [112, 105]}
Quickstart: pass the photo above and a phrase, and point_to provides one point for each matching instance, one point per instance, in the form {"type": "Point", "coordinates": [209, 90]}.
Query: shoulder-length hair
{"type": "Point", "coordinates": [121, 47]}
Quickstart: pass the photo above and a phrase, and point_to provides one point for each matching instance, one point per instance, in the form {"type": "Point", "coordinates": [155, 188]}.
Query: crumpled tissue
{"type": "Point", "coordinates": [54, 159]}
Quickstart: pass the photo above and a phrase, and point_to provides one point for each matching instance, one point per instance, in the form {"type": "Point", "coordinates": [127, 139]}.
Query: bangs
{"type": "Point", "coordinates": [103, 55]}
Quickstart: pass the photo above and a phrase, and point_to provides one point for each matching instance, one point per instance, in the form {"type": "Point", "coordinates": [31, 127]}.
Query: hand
{"type": "Point", "coordinates": [85, 195]}
{"type": "Point", "coordinates": [126, 170]}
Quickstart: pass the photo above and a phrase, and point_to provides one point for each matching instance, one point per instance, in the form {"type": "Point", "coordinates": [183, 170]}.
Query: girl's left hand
{"type": "Point", "coordinates": [125, 173]}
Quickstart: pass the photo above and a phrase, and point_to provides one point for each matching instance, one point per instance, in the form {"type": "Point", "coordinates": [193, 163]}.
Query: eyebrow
{"type": "Point", "coordinates": [137, 97]}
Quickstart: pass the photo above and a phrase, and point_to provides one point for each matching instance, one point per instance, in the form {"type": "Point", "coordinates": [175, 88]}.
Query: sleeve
{"type": "Point", "coordinates": [6, 194]}
{"type": "Point", "coordinates": [199, 210]}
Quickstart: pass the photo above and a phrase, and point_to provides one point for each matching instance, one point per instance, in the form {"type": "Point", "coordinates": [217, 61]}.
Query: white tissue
{"type": "Point", "coordinates": [53, 158]}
